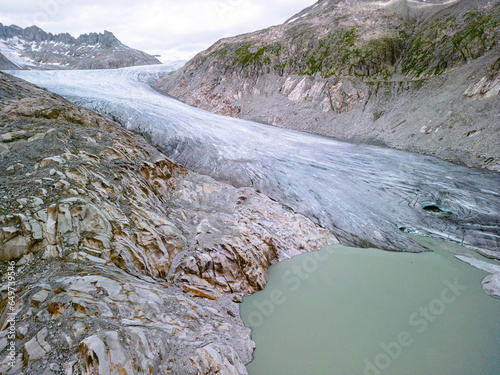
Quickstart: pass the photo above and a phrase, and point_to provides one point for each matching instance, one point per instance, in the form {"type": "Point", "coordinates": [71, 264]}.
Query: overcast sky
{"type": "Point", "coordinates": [176, 29]}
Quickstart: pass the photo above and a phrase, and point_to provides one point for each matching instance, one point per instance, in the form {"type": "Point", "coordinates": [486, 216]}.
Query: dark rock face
{"type": "Point", "coordinates": [417, 75]}
{"type": "Point", "coordinates": [6, 64]}
{"type": "Point", "coordinates": [33, 48]}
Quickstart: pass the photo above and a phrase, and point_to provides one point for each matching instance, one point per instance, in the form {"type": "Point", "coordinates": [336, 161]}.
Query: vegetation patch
{"type": "Point", "coordinates": [448, 42]}
{"type": "Point", "coordinates": [416, 48]}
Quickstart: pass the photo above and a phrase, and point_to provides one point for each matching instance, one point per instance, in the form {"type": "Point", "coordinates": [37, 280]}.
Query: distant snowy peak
{"type": "Point", "coordinates": [33, 48]}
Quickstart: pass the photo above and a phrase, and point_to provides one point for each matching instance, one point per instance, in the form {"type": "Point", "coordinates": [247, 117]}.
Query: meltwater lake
{"type": "Point", "coordinates": [351, 311]}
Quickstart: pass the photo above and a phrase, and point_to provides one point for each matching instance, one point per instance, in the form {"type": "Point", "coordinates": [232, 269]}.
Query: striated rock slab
{"type": "Point", "coordinates": [126, 263]}
{"type": "Point", "coordinates": [37, 347]}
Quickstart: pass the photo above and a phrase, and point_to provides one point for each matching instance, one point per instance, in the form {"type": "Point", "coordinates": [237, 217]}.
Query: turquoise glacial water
{"type": "Point", "coordinates": [350, 311]}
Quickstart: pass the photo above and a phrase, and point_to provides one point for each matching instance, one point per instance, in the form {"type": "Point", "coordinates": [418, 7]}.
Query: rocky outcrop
{"type": "Point", "coordinates": [6, 64]}
{"type": "Point", "coordinates": [491, 283]}
{"type": "Point", "coordinates": [422, 76]}
{"type": "Point", "coordinates": [117, 260]}
{"type": "Point", "coordinates": [33, 48]}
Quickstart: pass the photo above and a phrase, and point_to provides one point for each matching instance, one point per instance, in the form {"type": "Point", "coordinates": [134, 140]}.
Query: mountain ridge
{"type": "Point", "coordinates": [33, 48]}
{"type": "Point", "coordinates": [353, 70]}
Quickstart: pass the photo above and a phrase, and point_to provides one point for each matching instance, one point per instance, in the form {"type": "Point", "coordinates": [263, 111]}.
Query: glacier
{"type": "Point", "coordinates": [367, 195]}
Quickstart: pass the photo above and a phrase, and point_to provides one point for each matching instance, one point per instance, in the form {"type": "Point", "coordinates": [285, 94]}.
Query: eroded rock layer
{"type": "Point", "coordinates": [124, 261]}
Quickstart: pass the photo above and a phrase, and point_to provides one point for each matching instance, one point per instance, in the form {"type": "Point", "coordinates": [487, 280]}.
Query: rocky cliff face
{"type": "Point", "coordinates": [117, 260]}
{"type": "Point", "coordinates": [423, 76]}
{"type": "Point", "coordinates": [5, 63]}
{"type": "Point", "coordinates": [33, 48]}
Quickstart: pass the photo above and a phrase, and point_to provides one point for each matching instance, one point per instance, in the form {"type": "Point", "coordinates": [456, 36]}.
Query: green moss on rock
{"type": "Point", "coordinates": [415, 48]}
{"type": "Point", "coordinates": [448, 42]}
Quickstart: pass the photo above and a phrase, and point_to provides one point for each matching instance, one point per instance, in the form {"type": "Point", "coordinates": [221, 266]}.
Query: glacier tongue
{"type": "Point", "coordinates": [364, 194]}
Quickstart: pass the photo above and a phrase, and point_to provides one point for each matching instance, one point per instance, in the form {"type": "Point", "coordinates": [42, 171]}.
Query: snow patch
{"type": "Point", "coordinates": [12, 49]}
{"type": "Point", "coordinates": [296, 18]}
{"type": "Point", "coordinates": [480, 264]}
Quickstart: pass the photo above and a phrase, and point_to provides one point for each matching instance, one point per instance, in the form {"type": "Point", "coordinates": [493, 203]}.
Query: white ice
{"type": "Point", "coordinates": [363, 193]}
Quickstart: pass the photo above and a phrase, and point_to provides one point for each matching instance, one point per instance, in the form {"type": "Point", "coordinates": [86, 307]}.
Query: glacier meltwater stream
{"type": "Point", "coordinates": [365, 194]}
